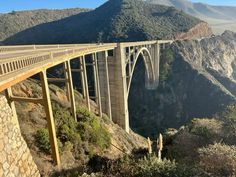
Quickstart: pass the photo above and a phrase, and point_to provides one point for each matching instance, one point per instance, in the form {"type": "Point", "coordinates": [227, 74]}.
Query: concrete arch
{"type": "Point", "coordinates": [149, 68]}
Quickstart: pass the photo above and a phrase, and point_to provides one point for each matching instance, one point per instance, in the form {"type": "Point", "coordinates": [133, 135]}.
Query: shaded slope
{"type": "Point", "coordinates": [15, 22]}
{"type": "Point", "coordinates": [116, 20]}
{"type": "Point", "coordinates": [201, 82]}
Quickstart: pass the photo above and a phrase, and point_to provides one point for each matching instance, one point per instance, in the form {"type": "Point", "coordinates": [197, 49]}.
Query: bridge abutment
{"type": "Point", "coordinates": [15, 157]}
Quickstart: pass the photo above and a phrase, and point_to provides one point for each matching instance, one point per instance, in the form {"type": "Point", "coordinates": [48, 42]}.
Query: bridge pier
{"type": "Point", "coordinates": [97, 84]}
{"type": "Point", "coordinates": [49, 115]}
{"type": "Point", "coordinates": [104, 82]}
{"type": "Point", "coordinates": [118, 85]}
{"type": "Point", "coordinates": [70, 88]}
{"type": "Point", "coordinates": [84, 81]}
{"type": "Point", "coordinates": [155, 54]}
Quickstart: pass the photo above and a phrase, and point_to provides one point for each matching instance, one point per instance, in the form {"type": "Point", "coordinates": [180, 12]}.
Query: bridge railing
{"type": "Point", "coordinates": [16, 48]}
{"type": "Point", "coordinates": [10, 65]}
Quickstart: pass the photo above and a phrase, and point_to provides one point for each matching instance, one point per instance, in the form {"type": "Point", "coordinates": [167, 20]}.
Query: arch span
{"type": "Point", "coordinates": [143, 53]}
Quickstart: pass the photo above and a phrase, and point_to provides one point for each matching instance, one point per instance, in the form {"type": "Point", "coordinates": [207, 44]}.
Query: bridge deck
{"type": "Point", "coordinates": [18, 63]}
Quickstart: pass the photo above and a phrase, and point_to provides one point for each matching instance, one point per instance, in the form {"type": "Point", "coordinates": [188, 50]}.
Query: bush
{"type": "Point", "coordinates": [151, 166]}
{"type": "Point", "coordinates": [90, 128]}
{"type": "Point", "coordinates": [219, 160]}
{"type": "Point", "coordinates": [229, 118]}
{"type": "Point", "coordinates": [210, 129]}
{"type": "Point", "coordinates": [42, 140]}
{"type": "Point", "coordinates": [166, 59]}
{"type": "Point", "coordinates": [83, 137]}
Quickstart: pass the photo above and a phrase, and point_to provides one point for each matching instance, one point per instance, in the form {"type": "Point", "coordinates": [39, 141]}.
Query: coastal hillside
{"type": "Point", "coordinates": [198, 79]}
{"type": "Point", "coordinates": [116, 20]}
{"type": "Point", "coordinates": [17, 21]}
{"type": "Point", "coordinates": [220, 18]}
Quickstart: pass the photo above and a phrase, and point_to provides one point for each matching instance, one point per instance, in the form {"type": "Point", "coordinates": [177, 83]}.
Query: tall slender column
{"type": "Point", "coordinates": [70, 88]}
{"type": "Point", "coordinates": [104, 83]}
{"type": "Point", "coordinates": [50, 119]}
{"type": "Point", "coordinates": [97, 84]}
{"type": "Point", "coordinates": [156, 63]}
{"type": "Point", "coordinates": [85, 80]}
{"type": "Point", "coordinates": [81, 68]}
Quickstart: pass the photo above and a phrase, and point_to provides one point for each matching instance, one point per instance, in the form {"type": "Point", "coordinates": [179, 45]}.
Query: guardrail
{"type": "Point", "coordinates": [11, 65]}
{"type": "Point", "coordinates": [15, 48]}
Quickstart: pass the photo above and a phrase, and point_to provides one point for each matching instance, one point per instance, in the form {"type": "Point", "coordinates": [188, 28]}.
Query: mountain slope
{"type": "Point", "coordinates": [116, 20]}
{"type": "Point", "coordinates": [201, 82]}
{"type": "Point", "coordinates": [15, 22]}
{"type": "Point", "coordinates": [219, 17]}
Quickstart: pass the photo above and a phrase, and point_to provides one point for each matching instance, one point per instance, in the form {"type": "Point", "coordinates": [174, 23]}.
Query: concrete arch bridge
{"type": "Point", "coordinates": [113, 66]}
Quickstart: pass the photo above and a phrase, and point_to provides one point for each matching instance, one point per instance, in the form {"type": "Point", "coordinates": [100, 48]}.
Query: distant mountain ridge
{"type": "Point", "coordinates": [214, 15]}
{"type": "Point", "coordinates": [16, 21]}
{"type": "Point", "coordinates": [116, 20]}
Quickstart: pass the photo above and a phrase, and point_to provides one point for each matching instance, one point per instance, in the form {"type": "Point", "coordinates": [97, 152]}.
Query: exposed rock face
{"type": "Point", "coordinates": [200, 30]}
{"type": "Point", "coordinates": [15, 157]}
{"type": "Point", "coordinates": [201, 83]}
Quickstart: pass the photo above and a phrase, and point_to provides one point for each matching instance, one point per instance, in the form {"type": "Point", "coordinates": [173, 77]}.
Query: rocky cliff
{"type": "Point", "coordinates": [200, 30]}
{"type": "Point", "coordinates": [200, 83]}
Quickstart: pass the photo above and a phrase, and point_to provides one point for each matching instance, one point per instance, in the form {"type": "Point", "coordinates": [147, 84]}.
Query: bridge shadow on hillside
{"type": "Point", "coordinates": [84, 27]}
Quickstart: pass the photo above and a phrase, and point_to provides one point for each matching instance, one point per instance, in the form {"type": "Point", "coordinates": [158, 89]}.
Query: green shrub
{"type": "Point", "coordinates": [100, 135]}
{"type": "Point", "coordinates": [90, 128]}
{"type": "Point", "coordinates": [229, 118]}
{"type": "Point", "coordinates": [151, 166]}
{"type": "Point", "coordinates": [42, 140]}
{"type": "Point", "coordinates": [210, 129]}
{"type": "Point", "coordinates": [219, 160]}
{"type": "Point", "coordinates": [166, 59]}
{"type": "Point", "coordinates": [84, 136]}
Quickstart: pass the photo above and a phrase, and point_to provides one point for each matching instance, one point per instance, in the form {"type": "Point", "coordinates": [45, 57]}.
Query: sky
{"type": "Point", "coordinates": [10, 5]}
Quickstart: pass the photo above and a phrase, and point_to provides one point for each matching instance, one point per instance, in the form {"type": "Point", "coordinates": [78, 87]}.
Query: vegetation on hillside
{"type": "Point", "coordinates": [85, 137]}
{"type": "Point", "coordinates": [116, 20]}
{"type": "Point", "coordinates": [16, 21]}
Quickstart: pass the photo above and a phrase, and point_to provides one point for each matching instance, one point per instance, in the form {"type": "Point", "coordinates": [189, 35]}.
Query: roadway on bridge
{"type": "Point", "coordinates": [19, 53]}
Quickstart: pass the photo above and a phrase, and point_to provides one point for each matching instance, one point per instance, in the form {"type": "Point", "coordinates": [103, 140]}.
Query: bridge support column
{"type": "Point", "coordinates": [84, 81]}
{"type": "Point", "coordinates": [97, 84]}
{"type": "Point", "coordinates": [50, 119]}
{"type": "Point", "coordinates": [118, 84]}
{"type": "Point", "coordinates": [104, 82]}
{"type": "Point", "coordinates": [155, 54]}
{"type": "Point", "coordinates": [70, 88]}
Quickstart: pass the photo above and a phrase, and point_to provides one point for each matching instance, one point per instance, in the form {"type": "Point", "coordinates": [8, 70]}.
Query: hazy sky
{"type": "Point", "coordinates": [10, 5]}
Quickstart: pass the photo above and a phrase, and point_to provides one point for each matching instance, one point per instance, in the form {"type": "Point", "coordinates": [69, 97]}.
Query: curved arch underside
{"type": "Point", "coordinates": [142, 53]}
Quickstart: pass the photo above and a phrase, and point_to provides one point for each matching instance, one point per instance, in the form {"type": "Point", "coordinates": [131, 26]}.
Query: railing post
{"type": "Point", "coordinates": [50, 119]}
{"type": "Point", "coordinates": [70, 88]}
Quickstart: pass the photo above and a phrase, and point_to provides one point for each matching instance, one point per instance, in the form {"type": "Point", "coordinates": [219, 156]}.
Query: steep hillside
{"type": "Point", "coordinates": [220, 18]}
{"type": "Point", "coordinates": [78, 141]}
{"type": "Point", "coordinates": [116, 20]}
{"type": "Point", "coordinates": [17, 21]}
{"type": "Point", "coordinates": [197, 80]}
